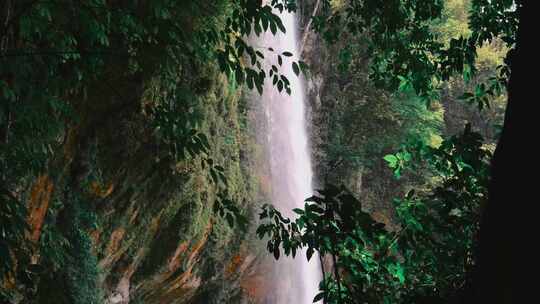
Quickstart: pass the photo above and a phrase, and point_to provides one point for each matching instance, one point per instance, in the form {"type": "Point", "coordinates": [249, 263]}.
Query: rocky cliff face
{"type": "Point", "coordinates": [159, 240]}
{"type": "Point", "coordinates": [155, 235]}
{"type": "Point", "coordinates": [124, 208]}
{"type": "Point", "coordinates": [338, 89]}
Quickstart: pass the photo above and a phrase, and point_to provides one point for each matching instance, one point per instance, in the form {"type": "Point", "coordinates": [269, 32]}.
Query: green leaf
{"type": "Point", "coordinates": [214, 176]}
{"type": "Point", "coordinates": [309, 253]}
{"type": "Point", "coordinates": [392, 160]}
{"type": "Point", "coordinates": [273, 28]}
{"type": "Point", "coordinates": [265, 22]}
{"type": "Point", "coordinates": [280, 85]}
{"type": "Point", "coordinates": [397, 271]}
{"type": "Point", "coordinates": [259, 84]}
{"type": "Point", "coordinates": [298, 211]}
{"type": "Point", "coordinates": [318, 297]}
{"type": "Point", "coordinates": [303, 66]}
{"type": "Point", "coordinates": [404, 84]}
{"type": "Point", "coordinates": [276, 252]}
{"type": "Point", "coordinates": [230, 219]}
{"type": "Point", "coordinates": [279, 23]}
{"type": "Point", "coordinates": [296, 69]}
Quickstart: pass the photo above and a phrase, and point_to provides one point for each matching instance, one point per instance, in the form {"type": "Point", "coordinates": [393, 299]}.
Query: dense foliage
{"type": "Point", "coordinates": [406, 50]}
{"type": "Point", "coordinates": [65, 66]}
{"type": "Point", "coordinates": [427, 257]}
{"type": "Point", "coordinates": [424, 252]}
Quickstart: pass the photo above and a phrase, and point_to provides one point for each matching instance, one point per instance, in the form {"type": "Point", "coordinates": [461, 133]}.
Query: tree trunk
{"type": "Point", "coordinates": [506, 232]}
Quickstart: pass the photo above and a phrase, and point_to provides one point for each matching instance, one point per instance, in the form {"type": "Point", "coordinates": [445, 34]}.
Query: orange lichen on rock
{"type": "Point", "coordinates": [234, 265]}
{"type": "Point", "coordinates": [256, 278]}
{"type": "Point", "coordinates": [172, 285]}
{"type": "Point", "coordinates": [174, 262]}
{"type": "Point", "coordinates": [116, 237]}
{"type": "Point", "coordinates": [40, 197]}
{"type": "Point", "coordinates": [134, 216]}
{"type": "Point", "coordinates": [183, 280]}
{"type": "Point", "coordinates": [254, 287]}
{"type": "Point", "coordinates": [8, 282]}
{"type": "Point", "coordinates": [95, 235]}
{"type": "Point", "coordinates": [101, 190]}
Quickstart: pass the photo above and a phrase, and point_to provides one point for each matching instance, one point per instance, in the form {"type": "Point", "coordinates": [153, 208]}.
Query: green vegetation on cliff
{"type": "Point", "coordinates": [128, 159]}
{"type": "Point", "coordinates": [124, 156]}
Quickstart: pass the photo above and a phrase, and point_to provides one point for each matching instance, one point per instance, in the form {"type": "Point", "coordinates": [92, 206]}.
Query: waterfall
{"type": "Point", "coordinates": [291, 174]}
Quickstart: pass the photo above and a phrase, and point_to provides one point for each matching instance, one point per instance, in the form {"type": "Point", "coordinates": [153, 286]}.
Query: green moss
{"type": "Point", "coordinates": [185, 212]}
{"type": "Point", "coordinates": [76, 281]}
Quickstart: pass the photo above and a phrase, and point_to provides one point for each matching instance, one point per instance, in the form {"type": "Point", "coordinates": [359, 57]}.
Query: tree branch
{"type": "Point", "coordinates": [308, 26]}
{"type": "Point", "coordinates": [323, 277]}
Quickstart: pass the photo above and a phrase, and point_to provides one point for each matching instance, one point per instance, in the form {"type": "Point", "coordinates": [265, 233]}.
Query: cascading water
{"type": "Point", "coordinates": [291, 174]}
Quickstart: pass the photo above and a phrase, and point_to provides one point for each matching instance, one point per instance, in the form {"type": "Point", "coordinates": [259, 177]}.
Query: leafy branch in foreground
{"type": "Point", "coordinates": [427, 257]}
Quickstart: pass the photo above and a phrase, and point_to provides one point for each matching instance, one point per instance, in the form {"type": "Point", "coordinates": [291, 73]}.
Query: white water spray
{"type": "Point", "coordinates": [291, 173]}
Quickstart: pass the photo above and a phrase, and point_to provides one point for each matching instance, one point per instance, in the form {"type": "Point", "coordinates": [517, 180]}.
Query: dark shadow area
{"type": "Point", "coordinates": [506, 259]}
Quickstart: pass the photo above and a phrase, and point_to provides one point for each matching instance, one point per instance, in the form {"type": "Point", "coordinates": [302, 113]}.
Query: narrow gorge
{"type": "Point", "coordinates": [246, 151]}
